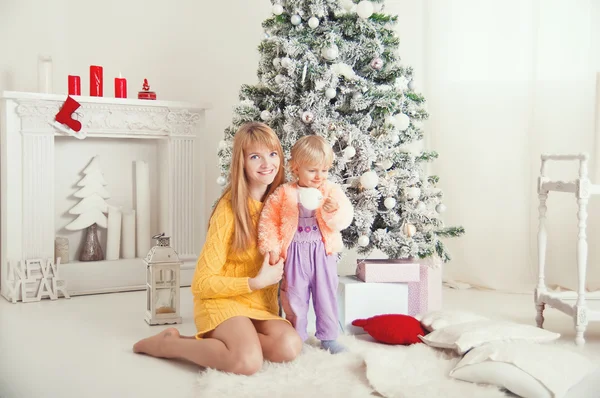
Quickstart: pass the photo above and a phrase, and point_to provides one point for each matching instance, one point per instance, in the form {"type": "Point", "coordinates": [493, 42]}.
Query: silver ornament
{"type": "Point", "coordinates": [308, 117]}
{"type": "Point", "coordinates": [313, 22]}
{"type": "Point", "coordinates": [411, 85]}
{"type": "Point", "coordinates": [330, 93]}
{"type": "Point", "coordinates": [221, 180]}
{"type": "Point", "coordinates": [377, 63]}
{"type": "Point", "coordinates": [296, 20]}
{"type": "Point", "coordinates": [440, 208]}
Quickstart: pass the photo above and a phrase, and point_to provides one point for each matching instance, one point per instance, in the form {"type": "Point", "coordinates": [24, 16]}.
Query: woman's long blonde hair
{"type": "Point", "coordinates": [249, 136]}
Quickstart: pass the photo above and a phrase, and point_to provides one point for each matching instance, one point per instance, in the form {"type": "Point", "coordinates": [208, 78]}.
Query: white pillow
{"type": "Point", "coordinates": [528, 370]}
{"type": "Point", "coordinates": [464, 336]}
{"type": "Point", "coordinates": [435, 320]}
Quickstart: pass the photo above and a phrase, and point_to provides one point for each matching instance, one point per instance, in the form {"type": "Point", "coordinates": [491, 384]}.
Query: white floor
{"type": "Point", "coordinates": [82, 347]}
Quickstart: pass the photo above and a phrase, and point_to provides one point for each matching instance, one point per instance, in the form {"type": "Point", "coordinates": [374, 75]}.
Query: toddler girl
{"type": "Point", "coordinates": [301, 223]}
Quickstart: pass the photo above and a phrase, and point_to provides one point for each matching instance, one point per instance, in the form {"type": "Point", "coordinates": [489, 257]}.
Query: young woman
{"type": "Point", "coordinates": [234, 287]}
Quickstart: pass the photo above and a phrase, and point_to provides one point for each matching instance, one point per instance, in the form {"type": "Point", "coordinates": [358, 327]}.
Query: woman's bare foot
{"type": "Point", "coordinates": [155, 345]}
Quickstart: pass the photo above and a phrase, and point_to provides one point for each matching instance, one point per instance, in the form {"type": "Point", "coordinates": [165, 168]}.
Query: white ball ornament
{"type": "Point", "coordinates": [221, 180]}
{"type": "Point", "coordinates": [389, 203]}
{"type": "Point", "coordinates": [365, 9]}
{"type": "Point", "coordinates": [440, 208]}
{"type": "Point", "coordinates": [369, 180]}
{"type": "Point", "coordinates": [421, 207]}
{"type": "Point", "coordinates": [330, 93]}
{"type": "Point", "coordinates": [286, 62]}
{"type": "Point", "coordinates": [310, 198]}
{"type": "Point", "coordinates": [265, 115]}
{"type": "Point", "coordinates": [395, 218]}
{"type": "Point", "coordinates": [330, 53]}
{"type": "Point", "coordinates": [313, 22]}
{"type": "Point", "coordinates": [387, 164]}
{"type": "Point", "coordinates": [276, 62]}
{"type": "Point", "coordinates": [394, 139]}
{"type": "Point", "coordinates": [402, 121]}
{"type": "Point", "coordinates": [349, 152]}
{"type": "Point", "coordinates": [412, 85]}
{"type": "Point", "coordinates": [279, 79]}
{"type": "Point", "coordinates": [277, 9]}
{"type": "Point", "coordinates": [363, 241]}
{"type": "Point", "coordinates": [348, 5]}
{"type": "Point", "coordinates": [296, 20]}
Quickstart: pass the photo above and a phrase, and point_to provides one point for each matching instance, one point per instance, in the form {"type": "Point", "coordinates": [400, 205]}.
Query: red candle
{"type": "Point", "coordinates": [74, 85]}
{"type": "Point", "coordinates": [120, 87]}
{"type": "Point", "coordinates": [96, 84]}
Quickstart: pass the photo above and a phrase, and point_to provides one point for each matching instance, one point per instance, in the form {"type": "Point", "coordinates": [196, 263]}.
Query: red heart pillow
{"type": "Point", "coordinates": [392, 328]}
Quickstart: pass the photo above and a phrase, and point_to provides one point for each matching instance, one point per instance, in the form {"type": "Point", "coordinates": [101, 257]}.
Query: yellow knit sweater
{"type": "Point", "coordinates": [220, 283]}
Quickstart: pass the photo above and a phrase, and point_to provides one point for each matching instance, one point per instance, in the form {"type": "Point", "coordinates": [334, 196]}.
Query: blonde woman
{"type": "Point", "coordinates": [234, 286]}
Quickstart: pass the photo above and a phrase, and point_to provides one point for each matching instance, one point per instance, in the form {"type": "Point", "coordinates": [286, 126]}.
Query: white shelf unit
{"type": "Point", "coordinates": [27, 168]}
{"type": "Point", "coordinates": [582, 188]}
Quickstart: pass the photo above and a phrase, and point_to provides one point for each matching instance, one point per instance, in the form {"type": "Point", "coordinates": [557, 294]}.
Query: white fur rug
{"type": "Point", "coordinates": [368, 369]}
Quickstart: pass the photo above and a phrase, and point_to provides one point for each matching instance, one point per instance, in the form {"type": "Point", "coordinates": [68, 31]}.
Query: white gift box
{"type": "Point", "coordinates": [359, 300]}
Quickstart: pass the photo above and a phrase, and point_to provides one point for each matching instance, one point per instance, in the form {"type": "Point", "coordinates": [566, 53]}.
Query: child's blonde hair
{"type": "Point", "coordinates": [311, 150]}
{"type": "Point", "coordinates": [249, 136]}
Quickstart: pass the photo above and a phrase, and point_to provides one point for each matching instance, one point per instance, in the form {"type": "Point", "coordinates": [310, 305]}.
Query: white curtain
{"type": "Point", "coordinates": [506, 81]}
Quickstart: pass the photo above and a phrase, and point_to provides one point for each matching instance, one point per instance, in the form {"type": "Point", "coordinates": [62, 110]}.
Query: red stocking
{"type": "Point", "coordinates": [65, 114]}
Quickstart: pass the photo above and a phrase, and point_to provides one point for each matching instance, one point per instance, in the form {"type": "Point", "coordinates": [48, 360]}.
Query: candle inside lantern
{"type": "Point", "coordinates": [120, 87]}
{"type": "Point", "coordinates": [74, 85]}
{"type": "Point", "coordinates": [96, 81]}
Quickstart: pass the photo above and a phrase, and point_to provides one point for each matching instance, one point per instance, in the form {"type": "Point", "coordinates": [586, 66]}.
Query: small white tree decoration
{"type": "Point", "coordinates": [91, 210]}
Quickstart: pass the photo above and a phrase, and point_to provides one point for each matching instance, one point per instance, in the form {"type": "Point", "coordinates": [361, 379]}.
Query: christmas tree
{"type": "Point", "coordinates": [332, 68]}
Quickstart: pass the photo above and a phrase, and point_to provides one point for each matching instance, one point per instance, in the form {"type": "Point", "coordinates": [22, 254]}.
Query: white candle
{"type": "Point", "coordinates": [142, 208]}
{"type": "Point", "coordinates": [45, 74]}
{"type": "Point", "coordinates": [128, 234]}
{"type": "Point", "coordinates": [113, 235]}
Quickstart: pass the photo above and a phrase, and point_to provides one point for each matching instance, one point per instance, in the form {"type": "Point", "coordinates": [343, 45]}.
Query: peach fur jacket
{"type": "Point", "coordinates": [279, 219]}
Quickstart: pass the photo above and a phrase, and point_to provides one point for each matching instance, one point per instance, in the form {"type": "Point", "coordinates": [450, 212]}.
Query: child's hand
{"type": "Point", "coordinates": [273, 258]}
{"type": "Point", "coordinates": [330, 205]}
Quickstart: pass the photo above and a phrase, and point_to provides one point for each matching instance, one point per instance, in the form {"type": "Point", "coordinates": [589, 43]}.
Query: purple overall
{"type": "Point", "coordinates": [309, 270]}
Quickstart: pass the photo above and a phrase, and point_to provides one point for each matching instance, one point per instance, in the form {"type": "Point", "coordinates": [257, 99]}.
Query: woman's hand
{"type": "Point", "coordinates": [267, 275]}
{"type": "Point", "coordinates": [330, 205]}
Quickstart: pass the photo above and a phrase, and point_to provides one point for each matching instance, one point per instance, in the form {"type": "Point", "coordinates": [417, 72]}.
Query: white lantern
{"type": "Point", "coordinates": [162, 283]}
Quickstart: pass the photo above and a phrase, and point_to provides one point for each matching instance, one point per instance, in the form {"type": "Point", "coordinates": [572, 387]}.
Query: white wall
{"type": "Point", "coordinates": [504, 81]}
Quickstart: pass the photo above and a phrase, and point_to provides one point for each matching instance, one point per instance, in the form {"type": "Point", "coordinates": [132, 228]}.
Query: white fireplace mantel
{"type": "Point", "coordinates": [28, 175]}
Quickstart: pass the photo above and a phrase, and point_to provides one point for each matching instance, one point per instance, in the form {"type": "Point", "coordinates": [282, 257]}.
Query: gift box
{"type": "Point", "coordinates": [426, 294]}
{"type": "Point", "coordinates": [359, 300]}
{"type": "Point", "coordinates": [373, 271]}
